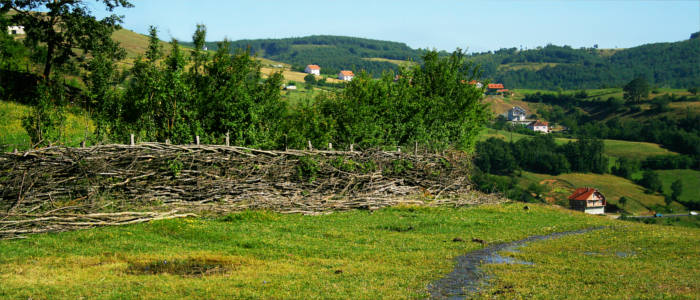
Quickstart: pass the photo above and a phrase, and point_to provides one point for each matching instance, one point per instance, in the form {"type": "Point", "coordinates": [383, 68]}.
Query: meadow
{"type": "Point", "coordinates": [390, 253]}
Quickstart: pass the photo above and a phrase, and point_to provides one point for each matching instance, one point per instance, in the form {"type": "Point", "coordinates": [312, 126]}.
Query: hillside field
{"type": "Point", "coordinates": [390, 253]}
{"type": "Point", "coordinates": [690, 179]}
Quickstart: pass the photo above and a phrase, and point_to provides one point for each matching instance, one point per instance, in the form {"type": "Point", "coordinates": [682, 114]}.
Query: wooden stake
{"type": "Point", "coordinates": [352, 147]}
{"type": "Point", "coordinates": [228, 141]}
{"type": "Point", "coordinates": [311, 147]}
{"type": "Point", "coordinates": [398, 149]}
{"type": "Point", "coordinates": [415, 149]}
{"type": "Point", "coordinates": [167, 141]}
{"type": "Point", "coordinates": [82, 144]}
{"type": "Point", "coordinates": [132, 139]}
{"type": "Point", "coordinates": [196, 139]}
{"type": "Point", "coordinates": [330, 146]}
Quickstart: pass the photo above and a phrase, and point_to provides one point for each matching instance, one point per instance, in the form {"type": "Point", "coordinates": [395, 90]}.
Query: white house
{"type": "Point", "coordinates": [516, 113]}
{"type": "Point", "coordinates": [290, 87]}
{"type": "Point", "coordinates": [313, 69]}
{"type": "Point", "coordinates": [540, 126]}
{"type": "Point", "coordinates": [588, 200]}
{"type": "Point", "coordinates": [346, 75]}
{"type": "Point", "coordinates": [13, 30]}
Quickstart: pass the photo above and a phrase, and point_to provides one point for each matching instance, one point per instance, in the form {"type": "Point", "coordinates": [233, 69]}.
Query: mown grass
{"type": "Point", "coordinates": [13, 135]}
{"type": "Point", "coordinates": [634, 261]}
{"type": "Point", "coordinates": [391, 253]}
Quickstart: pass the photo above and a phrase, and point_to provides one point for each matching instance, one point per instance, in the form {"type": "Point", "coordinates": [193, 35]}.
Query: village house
{"type": "Point", "coordinates": [517, 114]}
{"type": "Point", "coordinates": [588, 200]}
{"type": "Point", "coordinates": [313, 69]}
{"type": "Point", "coordinates": [493, 88]}
{"type": "Point", "coordinates": [346, 75]}
{"type": "Point", "coordinates": [14, 30]}
{"type": "Point", "coordinates": [539, 126]}
{"type": "Point", "coordinates": [476, 83]}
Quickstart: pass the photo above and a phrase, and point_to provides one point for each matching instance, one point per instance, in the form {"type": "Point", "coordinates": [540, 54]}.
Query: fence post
{"type": "Point", "coordinates": [330, 146]}
{"type": "Point", "coordinates": [311, 147]}
{"type": "Point", "coordinates": [398, 149]}
{"type": "Point", "coordinates": [352, 147]}
{"type": "Point", "coordinates": [82, 144]}
{"type": "Point", "coordinates": [14, 151]}
{"type": "Point", "coordinates": [167, 141]}
{"type": "Point", "coordinates": [132, 139]}
{"type": "Point", "coordinates": [196, 139]}
{"type": "Point", "coordinates": [228, 141]}
{"type": "Point", "coordinates": [415, 149]}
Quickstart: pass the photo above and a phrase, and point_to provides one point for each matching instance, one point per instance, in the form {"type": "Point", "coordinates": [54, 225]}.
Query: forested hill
{"type": "Point", "coordinates": [332, 53]}
{"type": "Point", "coordinates": [675, 65]}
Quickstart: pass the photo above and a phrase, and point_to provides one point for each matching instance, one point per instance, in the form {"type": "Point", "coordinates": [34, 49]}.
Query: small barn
{"type": "Point", "coordinates": [588, 200]}
{"type": "Point", "coordinates": [14, 30]}
{"type": "Point", "coordinates": [313, 69]}
{"type": "Point", "coordinates": [346, 75]}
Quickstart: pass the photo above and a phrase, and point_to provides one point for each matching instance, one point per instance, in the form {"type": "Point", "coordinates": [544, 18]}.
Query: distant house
{"type": "Point", "coordinates": [517, 113]}
{"type": "Point", "coordinates": [290, 87]}
{"type": "Point", "coordinates": [503, 92]}
{"type": "Point", "coordinates": [313, 69]}
{"type": "Point", "coordinates": [540, 126]}
{"type": "Point", "coordinates": [346, 75]}
{"type": "Point", "coordinates": [492, 88]}
{"type": "Point", "coordinates": [14, 30]}
{"type": "Point", "coordinates": [476, 83]}
{"type": "Point", "coordinates": [588, 200]}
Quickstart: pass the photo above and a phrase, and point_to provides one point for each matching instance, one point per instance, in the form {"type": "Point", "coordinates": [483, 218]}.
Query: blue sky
{"type": "Point", "coordinates": [444, 25]}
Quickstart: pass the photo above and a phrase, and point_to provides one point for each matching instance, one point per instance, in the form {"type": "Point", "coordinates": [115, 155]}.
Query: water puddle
{"type": "Point", "coordinates": [467, 277]}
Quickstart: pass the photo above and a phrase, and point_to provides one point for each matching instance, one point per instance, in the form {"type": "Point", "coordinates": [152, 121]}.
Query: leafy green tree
{"type": "Point", "coordinates": [623, 201]}
{"type": "Point", "coordinates": [676, 189]}
{"type": "Point", "coordinates": [636, 90]}
{"type": "Point", "coordinates": [65, 27]}
{"type": "Point", "coordinates": [651, 181]}
{"type": "Point", "coordinates": [45, 122]}
{"type": "Point", "coordinates": [310, 79]}
{"type": "Point", "coordinates": [693, 90]}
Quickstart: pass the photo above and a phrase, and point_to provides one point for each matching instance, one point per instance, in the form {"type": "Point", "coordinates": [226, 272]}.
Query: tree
{"type": "Point", "coordinates": [310, 79]}
{"type": "Point", "coordinates": [676, 189]}
{"type": "Point", "coordinates": [651, 181]}
{"type": "Point", "coordinates": [623, 201]}
{"type": "Point", "coordinates": [636, 90]}
{"type": "Point", "coordinates": [693, 90]}
{"type": "Point", "coordinates": [65, 27]}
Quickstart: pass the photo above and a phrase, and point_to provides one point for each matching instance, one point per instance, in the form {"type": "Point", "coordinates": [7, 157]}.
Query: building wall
{"type": "Point", "coordinates": [15, 29]}
{"type": "Point", "coordinates": [595, 210]}
{"type": "Point", "coordinates": [310, 71]}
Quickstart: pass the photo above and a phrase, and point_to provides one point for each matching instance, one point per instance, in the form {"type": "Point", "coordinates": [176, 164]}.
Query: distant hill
{"type": "Point", "coordinates": [674, 65]}
{"type": "Point", "coordinates": [332, 53]}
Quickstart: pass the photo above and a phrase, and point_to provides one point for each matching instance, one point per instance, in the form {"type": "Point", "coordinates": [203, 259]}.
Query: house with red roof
{"type": "Point", "coordinates": [313, 69]}
{"type": "Point", "coordinates": [346, 75]}
{"type": "Point", "coordinates": [539, 126]}
{"type": "Point", "coordinates": [588, 200]}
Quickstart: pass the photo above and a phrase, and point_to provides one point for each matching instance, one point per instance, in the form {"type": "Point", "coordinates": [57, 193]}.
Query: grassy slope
{"type": "Point", "coordinates": [614, 148]}
{"type": "Point", "coordinates": [392, 253]}
{"type": "Point", "coordinates": [612, 187]}
{"type": "Point", "coordinates": [13, 135]}
{"type": "Point", "coordinates": [690, 179]}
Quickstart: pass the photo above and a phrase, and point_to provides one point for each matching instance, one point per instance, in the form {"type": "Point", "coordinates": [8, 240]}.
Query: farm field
{"type": "Point", "coordinates": [390, 253]}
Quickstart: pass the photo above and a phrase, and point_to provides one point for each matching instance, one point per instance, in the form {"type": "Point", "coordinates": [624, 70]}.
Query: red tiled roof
{"type": "Point", "coordinates": [495, 86]}
{"type": "Point", "coordinates": [347, 73]}
{"type": "Point", "coordinates": [539, 123]}
{"type": "Point", "coordinates": [582, 193]}
{"type": "Point", "coordinates": [473, 82]}
{"type": "Point", "coordinates": [313, 67]}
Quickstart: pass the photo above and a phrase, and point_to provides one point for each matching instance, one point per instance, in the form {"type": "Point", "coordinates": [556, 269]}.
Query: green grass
{"type": "Point", "coordinates": [613, 148]}
{"type": "Point", "coordinates": [690, 179]}
{"type": "Point", "coordinates": [635, 261]}
{"type": "Point", "coordinates": [391, 253]}
{"type": "Point", "coordinates": [13, 135]}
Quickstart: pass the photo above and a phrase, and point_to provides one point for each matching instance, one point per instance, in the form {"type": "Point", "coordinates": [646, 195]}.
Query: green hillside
{"type": "Point", "coordinates": [552, 67]}
{"type": "Point", "coordinates": [332, 53]}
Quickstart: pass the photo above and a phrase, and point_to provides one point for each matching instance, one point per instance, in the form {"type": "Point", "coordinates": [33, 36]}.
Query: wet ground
{"type": "Point", "coordinates": [467, 276]}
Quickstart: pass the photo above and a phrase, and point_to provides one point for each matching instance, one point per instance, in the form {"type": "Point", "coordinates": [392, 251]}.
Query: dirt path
{"type": "Point", "coordinates": [467, 276]}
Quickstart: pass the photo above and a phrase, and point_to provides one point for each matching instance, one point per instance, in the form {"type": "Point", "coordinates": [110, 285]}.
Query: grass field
{"type": "Point", "coordinates": [613, 148]}
{"type": "Point", "coordinates": [13, 135]}
{"type": "Point", "coordinates": [398, 62]}
{"type": "Point", "coordinates": [690, 179]}
{"type": "Point", "coordinates": [391, 253]}
{"type": "Point", "coordinates": [612, 187]}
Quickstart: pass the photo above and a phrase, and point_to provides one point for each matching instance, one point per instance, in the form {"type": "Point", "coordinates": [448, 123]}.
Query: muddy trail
{"type": "Point", "coordinates": [467, 276]}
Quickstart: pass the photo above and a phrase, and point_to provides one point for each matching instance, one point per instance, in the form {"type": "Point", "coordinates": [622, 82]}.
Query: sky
{"type": "Point", "coordinates": [433, 24]}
